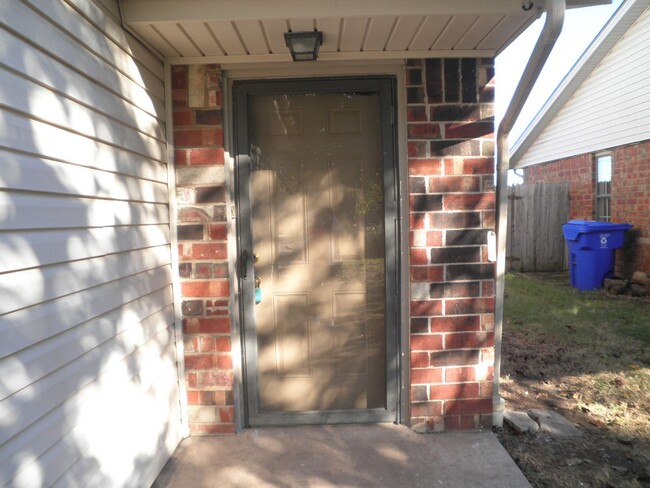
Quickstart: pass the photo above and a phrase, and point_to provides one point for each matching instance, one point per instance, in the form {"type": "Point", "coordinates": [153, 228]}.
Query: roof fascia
{"type": "Point", "coordinates": [151, 11]}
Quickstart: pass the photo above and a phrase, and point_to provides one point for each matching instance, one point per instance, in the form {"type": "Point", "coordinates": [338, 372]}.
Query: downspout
{"type": "Point", "coordinates": [547, 38]}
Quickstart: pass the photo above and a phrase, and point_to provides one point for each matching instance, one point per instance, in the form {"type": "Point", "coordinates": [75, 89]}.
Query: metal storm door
{"type": "Point", "coordinates": [316, 183]}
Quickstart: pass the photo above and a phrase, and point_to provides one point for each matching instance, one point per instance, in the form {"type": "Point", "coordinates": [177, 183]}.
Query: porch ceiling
{"type": "Point", "coordinates": [232, 31]}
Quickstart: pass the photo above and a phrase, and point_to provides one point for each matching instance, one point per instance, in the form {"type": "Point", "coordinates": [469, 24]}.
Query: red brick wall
{"type": "Point", "coordinates": [579, 173]}
{"type": "Point", "coordinates": [630, 196]}
{"type": "Point", "coordinates": [631, 203]}
{"type": "Point", "coordinates": [451, 205]}
{"type": "Point", "coordinates": [203, 249]}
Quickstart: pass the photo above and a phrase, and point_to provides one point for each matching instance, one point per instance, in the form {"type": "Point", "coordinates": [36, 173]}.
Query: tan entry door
{"type": "Point", "coordinates": [317, 217]}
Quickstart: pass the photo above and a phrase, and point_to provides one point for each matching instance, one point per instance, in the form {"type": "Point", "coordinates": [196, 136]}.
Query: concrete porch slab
{"type": "Point", "coordinates": [380, 455]}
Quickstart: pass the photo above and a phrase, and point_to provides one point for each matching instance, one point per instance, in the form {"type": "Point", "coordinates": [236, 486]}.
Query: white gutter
{"type": "Point", "coordinates": [550, 33]}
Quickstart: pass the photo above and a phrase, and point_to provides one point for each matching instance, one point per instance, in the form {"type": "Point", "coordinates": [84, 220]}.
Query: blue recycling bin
{"type": "Point", "coordinates": [592, 251]}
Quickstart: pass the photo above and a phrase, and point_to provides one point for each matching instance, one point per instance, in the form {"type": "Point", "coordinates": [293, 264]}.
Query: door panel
{"type": "Point", "coordinates": [317, 228]}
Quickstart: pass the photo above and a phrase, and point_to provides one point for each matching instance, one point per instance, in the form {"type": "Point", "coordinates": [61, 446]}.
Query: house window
{"type": "Point", "coordinates": [603, 186]}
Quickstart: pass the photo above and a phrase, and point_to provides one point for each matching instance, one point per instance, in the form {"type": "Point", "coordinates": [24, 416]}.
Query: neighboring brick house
{"type": "Point", "coordinates": [594, 133]}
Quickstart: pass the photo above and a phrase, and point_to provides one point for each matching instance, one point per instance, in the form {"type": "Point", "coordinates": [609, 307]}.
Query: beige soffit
{"type": "Point", "coordinates": [235, 31]}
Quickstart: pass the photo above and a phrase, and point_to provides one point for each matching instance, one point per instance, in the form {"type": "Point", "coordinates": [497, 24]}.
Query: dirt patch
{"type": "Point", "coordinates": [596, 377]}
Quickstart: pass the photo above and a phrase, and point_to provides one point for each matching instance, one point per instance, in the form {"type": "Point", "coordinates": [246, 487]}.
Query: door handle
{"type": "Point", "coordinates": [243, 264]}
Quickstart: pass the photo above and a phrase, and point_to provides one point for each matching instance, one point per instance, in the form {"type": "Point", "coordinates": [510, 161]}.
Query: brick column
{"type": "Point", "coordinates": [452, 206]}
{"type": "Point", "coordinates": [203, 250]}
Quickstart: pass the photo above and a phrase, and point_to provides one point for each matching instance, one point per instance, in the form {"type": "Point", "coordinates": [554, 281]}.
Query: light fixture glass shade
{"type": "Point", "coordinates": [304, 45]}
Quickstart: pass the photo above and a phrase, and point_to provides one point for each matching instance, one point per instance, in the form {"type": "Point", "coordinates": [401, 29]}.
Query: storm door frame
{"type": "Point", "coordinates": [384, 87]}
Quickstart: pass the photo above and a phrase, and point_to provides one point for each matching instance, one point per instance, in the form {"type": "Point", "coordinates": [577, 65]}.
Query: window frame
{"type": "Point", "coordinates": [603, 189]}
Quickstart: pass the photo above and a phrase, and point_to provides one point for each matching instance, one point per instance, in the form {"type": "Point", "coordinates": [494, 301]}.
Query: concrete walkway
{"type": "Point", "coordinates": [383, 455]}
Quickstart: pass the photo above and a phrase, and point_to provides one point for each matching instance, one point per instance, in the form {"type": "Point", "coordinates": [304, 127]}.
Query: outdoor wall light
{"type": "Point", "coordinates": [304, 45]}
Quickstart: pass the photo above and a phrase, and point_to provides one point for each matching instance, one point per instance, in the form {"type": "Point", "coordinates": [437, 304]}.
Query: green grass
{"type": "Point", "coordinates": [561, 311]}
{"type": "Point", "coordinates": [591, 348]}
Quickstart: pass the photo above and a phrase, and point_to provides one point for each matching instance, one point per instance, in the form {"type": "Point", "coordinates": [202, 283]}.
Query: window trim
{"type": "Point", "coordinates": [603, 200]}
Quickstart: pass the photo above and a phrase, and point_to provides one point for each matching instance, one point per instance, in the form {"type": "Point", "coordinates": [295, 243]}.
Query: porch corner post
{"type": "Point", "coordinates": [176, 285]}
{"type": "Point", "coordinates": [547, 38]}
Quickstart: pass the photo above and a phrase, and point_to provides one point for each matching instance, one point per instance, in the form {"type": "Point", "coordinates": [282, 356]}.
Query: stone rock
{"type": "Point", "coordinates": [641, 278]}
{"type": "Point", "coordinates": [574, 461]}
{"type": "Point", "coordinates": [520, 421]}
{"type": "Point", "coordinates": [615, 286]}
{"type": "Point", "coordinates": [553, 423]}
{"type": "Point", "coordinates": [610, 282]}
{"type": "Point", "coordinates": [420, 428]}
{"type": "Point", "coordinates": [638, 290]}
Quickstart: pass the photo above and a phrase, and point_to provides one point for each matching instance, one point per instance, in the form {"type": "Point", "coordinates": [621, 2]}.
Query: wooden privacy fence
{"type": "Point", "coordinates": [536, 214]}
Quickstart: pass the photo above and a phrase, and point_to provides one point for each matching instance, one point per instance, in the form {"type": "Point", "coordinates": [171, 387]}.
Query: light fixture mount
{"type": "Point", "coordinates": [304, 45]}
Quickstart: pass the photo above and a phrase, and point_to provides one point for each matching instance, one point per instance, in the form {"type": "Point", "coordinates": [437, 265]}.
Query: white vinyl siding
{"type": "Point", "coordinates": [609, 109]}
{"type": "Point", "coordinates": [88, 369]}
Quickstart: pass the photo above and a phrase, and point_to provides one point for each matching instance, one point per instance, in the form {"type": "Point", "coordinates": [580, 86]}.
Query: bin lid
{"type": "Point", "coordinates": [574, 228]}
